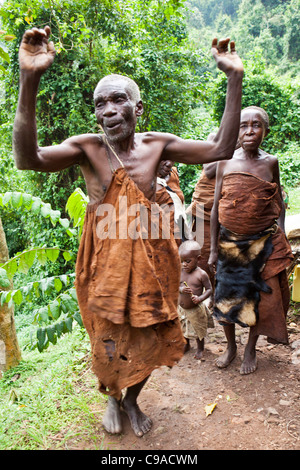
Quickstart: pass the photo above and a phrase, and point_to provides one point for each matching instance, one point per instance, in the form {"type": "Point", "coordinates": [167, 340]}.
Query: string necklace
{"type": "Point", "coordinates": [112, 150]}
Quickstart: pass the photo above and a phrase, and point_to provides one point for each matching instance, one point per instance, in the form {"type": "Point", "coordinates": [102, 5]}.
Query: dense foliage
{"type": "Point", "coordinates": [165, 47]}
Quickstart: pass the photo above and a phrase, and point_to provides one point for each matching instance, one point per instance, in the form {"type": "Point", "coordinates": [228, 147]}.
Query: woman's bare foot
{"type": "Point", "coordinates": [140, 423]}
{"type": "Point", "coordinates": [226, 358]}
{"type": "Point", "coordinates": [249, 364]}
{"type": "Point", "coordinates": [112, 417]}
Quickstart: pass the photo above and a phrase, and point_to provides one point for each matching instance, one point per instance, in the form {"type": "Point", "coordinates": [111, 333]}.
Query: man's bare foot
{"type": "Point", "coordinates": [226, 358]}
{"type": "Point", "coordinates": [249, 364]}
{"type": "Point", "coordinates": [112, 417]}
{"type": "Point", "coordinates": [140, 423]}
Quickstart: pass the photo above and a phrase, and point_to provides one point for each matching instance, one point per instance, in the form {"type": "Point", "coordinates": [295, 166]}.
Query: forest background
{"type": "Point", "coordinates": [165, 47]}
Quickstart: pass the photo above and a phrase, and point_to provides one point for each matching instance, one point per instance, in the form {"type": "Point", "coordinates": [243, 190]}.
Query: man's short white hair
{"type": "Point", "coordinates": [132, 87]}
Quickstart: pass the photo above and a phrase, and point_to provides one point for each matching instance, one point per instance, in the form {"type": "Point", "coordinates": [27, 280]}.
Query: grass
{"type": "Point", "coordinates": [294, 201]}
{"type": "Point", "coordinates": [51, 400]}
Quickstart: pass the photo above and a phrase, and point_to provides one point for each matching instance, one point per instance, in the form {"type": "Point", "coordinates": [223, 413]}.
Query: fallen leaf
{"type": "Point", "coordinates": [210, 408]}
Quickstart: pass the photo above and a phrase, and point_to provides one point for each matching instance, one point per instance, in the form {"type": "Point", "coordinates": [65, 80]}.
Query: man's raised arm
{"type": "Point", "coordinates": [223, 145]}
{"type": "Point", "coordinates": [36, 54]}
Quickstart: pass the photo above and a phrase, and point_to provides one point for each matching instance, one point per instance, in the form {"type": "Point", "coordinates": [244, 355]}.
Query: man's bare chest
{"type": "Point", "coordinates": [98, 174]}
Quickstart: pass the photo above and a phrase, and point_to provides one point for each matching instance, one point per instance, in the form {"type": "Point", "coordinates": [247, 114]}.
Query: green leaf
{"type": "Point", "coordinates": [51, 333]}
{"type": "Point", "coordinates": [54, 216]}
{"type": "Point", "coordinates": [4, 281]}
{"type": "Point", "coordinates": [11, 268]}
{"type": "Point", "coordinates": [67, 255]}
{"type": "Point", "coordinates": [18, 297]}
{"type": "Point", "coordinates": [58, 284]}
{"type": "Point", "coordinates": [60, 328]}
{"type": "Point", "coordinates": [27, 200]}
{"type": "Point", "coordinates": [29, 257]}
{"type": "Point", "coordinates": [55, 310]}
{"type": "Point", "coordinates": [46, 209]}
{"type": "Point", "coordinates": [43, 314]}
{"type": "Point", "coordinates": [5, 297]}
{"type": "Point", "coordinates": [36, 205]}
{"type": "Point", "coordinates": [65, 279]}
{"type": "Point", "coordinates": [26, 260]}
{"type": "Point", "coordinates": [69, 324]}
{"type": "Point", "coordinates": [73, 294]}
{"type": "Point", "coordinates": [16, 199]}
{"type": "Point", "coordinates": [6, 198]}
{"type": "Point", "coordinates": [41, 336]}
{"type": "Point", "coordinates": [72, 232]}
{"type": "Point", "coordinates": [52, 254]}
{"type": "Point", "coordinates": [68, 304]}
{"type": "Point", "coordinates": [64, 223]}
{"type": "Point", "coordinates": [41, 257]}
{"type": "Point", "coordinates": [43, 285]}
{"type": "Point", "coordinates": [4, 55]}
{"type": "Point", "coordinates": [78, 318]}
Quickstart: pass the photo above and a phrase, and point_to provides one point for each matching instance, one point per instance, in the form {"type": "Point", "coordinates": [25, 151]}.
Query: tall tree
{"type": "Point", "coordinates": [10, 354]}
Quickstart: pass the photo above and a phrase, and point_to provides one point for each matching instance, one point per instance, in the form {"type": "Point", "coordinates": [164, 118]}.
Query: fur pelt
{"type": "Point", "coordinates": [238, 277]}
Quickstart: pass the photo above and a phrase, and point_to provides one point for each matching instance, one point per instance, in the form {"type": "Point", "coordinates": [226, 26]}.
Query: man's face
{"type": "Point", "coordinates": [115, 110]}
{"type": "Point", "coordinates": [252, 130]}
{"type": "Point", "coordinates": [165, 168]}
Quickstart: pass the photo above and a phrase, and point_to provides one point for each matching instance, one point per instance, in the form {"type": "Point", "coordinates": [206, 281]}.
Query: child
{"type": "Point", "coordinates": [194, 288]}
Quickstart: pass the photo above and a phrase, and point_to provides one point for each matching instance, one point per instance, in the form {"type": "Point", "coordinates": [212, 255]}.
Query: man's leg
{"type": "Point", "coordinates": [225, 359]}
{"type": "Point", "coordinates": [140, 423]}
{"type": "Point", "coordinates": [112, 416]}
{"type": "Point", "coordinates": [249, 363]}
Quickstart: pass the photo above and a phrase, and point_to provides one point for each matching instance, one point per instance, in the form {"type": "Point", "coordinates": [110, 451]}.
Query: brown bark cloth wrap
{"type": "Point", "coordinates": [127, 290]}
{"type": "Point", "coordinates": [202, 200]}
{"type": "Point", "coordinates": [248, 210]}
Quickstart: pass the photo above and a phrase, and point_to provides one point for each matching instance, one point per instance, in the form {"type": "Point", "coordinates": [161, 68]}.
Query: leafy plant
{"type": "Point", "coordinates": [55, 317]}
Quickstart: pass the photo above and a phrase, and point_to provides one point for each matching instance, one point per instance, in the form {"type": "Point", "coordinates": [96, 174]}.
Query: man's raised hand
{"type": "Point", "coordinates": [227, 61]}
{"type": "Point", "coordinates": [36, 53]}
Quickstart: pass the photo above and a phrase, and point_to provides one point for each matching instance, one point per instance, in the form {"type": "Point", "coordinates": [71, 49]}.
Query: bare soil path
{"type": "Point", "coordinates": [260, 411]}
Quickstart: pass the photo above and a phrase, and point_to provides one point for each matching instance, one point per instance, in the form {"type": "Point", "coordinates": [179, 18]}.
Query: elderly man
{"type": "Point", "coordinates": [127, 287]}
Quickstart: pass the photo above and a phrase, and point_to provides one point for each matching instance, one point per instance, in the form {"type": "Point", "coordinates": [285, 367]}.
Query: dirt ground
{"type": "Point", "coordinates": [260, 411]}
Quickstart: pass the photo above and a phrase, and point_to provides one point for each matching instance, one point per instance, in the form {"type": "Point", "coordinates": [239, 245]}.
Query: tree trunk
{"type": "Point", "coordinates": [10, 354]}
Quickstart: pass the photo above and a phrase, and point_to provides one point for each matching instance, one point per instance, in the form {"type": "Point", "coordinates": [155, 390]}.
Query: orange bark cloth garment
{"type": "Point", "coordinates": [127, 288]}
{"type": "Point", "coordinates": [203, 196]}
{"type": "Point", "coordinates": [248, 206]}
{"type": "Point", "coordinates": [202, 202]}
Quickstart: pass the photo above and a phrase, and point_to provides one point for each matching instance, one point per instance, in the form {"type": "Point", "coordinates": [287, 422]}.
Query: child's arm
{"type": "Point", "coordinates": [197, 299]}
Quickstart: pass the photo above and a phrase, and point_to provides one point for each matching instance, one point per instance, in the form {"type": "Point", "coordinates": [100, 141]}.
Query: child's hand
{"type": "Point", "coordinates": [187, 290]}
{"type": "Point", "coordinates": [195, 299]}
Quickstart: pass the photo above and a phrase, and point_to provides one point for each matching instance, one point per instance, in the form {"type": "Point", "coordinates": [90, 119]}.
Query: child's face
{"type": "Point", "coordinates": [252, 130]}
{"type": "Point", "coordinates": [189, 261]}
